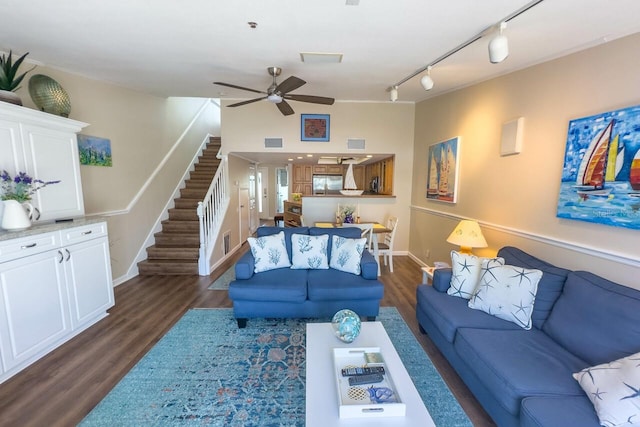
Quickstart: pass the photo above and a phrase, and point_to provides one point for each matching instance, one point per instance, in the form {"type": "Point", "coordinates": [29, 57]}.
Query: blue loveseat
{"type": "Point", "coordinates": [300, 293]}
{"type": "Point", "coordinates": [524, 377]}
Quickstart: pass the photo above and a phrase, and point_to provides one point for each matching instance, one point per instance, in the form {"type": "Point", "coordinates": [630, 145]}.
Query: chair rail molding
{"type": "Point", "coordinates": [572, 246]}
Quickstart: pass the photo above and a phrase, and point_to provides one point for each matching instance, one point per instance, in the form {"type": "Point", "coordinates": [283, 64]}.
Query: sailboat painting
{"type": "Point", "coordinates": [442, 173]}
{"type": "Point", "coordinates": [601, 173]}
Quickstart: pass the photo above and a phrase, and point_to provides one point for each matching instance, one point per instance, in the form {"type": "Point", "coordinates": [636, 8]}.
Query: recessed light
{"type": "Point", "coordinates": [290, 160]}
{"type": "Point", "coordinates": [369, 156]}
{"type": "Point", "coordinates": [309, 155]}
{"type": "Point", "coordinates": [299, 157]}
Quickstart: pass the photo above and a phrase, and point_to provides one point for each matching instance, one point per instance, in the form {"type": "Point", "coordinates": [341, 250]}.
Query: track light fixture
{"type": "Point", "coordinates": [393, 95]}
{"type": "Point", "coordinates": [499, 46]}
{"type": "Point", "coordinates": [498, 50]}
{"type": "Point", "coordinates": [426, 81]}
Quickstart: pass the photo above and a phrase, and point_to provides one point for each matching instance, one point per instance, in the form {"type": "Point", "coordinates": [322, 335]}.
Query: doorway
{"type": "Point", "coordinates": [263, 198]}
{"type": "Point", "coordinates": [282, 188]}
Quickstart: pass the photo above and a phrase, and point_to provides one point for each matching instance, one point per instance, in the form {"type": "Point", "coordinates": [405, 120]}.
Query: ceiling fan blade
{"type": "Point", "coordinates": [237, 87]}
{"type": "Point", "coordinates": [310, 98]}
{"type": "Point", "coordinates": [292, 83]}
{"type": "Point", "coordinates": [247, 102]}
{"type": "Point", "coordinates": [285, 108]}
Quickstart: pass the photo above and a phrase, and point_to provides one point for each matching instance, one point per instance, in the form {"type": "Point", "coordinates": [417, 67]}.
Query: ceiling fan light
{"type": "Point", "coordinates": [275, 98]}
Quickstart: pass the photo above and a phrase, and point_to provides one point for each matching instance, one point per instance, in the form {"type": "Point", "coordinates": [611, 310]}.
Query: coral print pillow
{"type": "Point", "coordinates": [309, 251]}
{"type": "Point", "coordinates": [346, 254]}
{"type": "Point", "coordinates": [269, 252]}
{"type": "Point", "coordinates": [614, 390]}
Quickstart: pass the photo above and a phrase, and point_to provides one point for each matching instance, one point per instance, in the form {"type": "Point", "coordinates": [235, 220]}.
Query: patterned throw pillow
{"type": "Point", "coordinates": [614, 390]}
{"type": "Point", "coordinates": [507, 292]}
{"type": "Point", "coordinates": [309, 251]}
{"type": "Point", "coordinates": [346, 254]}
{"type": "Point", "coordinates": [467, 271]}
{"type": "Point", "coordinates": [269, 252]}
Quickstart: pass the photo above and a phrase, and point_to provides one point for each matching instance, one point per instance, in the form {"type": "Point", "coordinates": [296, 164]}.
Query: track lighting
{"type": "Point", "coordinates": [499, 46]}
{"type": "Point", "coordinates": [498, 50]}
{"type": "Point", "coordinates": [393, 95]}
{"type": "Point", "coordinates": [426, 81]}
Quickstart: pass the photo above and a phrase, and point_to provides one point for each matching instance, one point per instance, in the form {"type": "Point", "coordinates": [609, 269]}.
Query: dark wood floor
{"type": "Point", "coordinates": [61, 388]}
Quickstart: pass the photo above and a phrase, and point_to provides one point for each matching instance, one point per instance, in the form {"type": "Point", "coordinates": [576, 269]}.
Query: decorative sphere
{"type": "Point", "coordinates": [346, 325]}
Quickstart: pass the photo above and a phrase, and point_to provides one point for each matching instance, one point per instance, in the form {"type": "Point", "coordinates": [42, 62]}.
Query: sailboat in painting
{"type": "Point", "coordinates": [432, 187]}
{"type": "Point", "coordinates": [591, 173]}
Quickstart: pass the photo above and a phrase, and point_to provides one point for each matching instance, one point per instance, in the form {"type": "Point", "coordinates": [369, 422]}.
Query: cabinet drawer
{"type": "Point", "coordinates": [84, 233]}
{"type": "Point", "coordinates": [18, 248]}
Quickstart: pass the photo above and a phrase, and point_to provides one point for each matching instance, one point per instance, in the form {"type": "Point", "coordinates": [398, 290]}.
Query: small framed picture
{"type": "Point", "coordinates": [314, 127]}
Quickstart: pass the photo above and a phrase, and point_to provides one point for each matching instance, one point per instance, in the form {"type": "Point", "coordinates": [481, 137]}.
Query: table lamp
{"type": "Point", "coordinates": [467, 235]}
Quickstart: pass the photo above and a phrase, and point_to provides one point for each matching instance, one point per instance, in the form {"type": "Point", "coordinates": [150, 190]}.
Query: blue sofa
{"type": "Point", "coordinates": [524, 377]}
{"type": "Point", "coordinates": [291, 293]}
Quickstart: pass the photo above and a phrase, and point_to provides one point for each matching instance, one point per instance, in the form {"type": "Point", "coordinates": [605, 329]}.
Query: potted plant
{"type": "Point", "coordinates": [9, 78]}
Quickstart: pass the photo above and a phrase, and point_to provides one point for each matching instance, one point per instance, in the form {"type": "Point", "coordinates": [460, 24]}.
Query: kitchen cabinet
{"type": "Point", "coordinates": [53, 285]}
{"type": "Point", "coordinates": [45, 147]}
{"type": "Point", "coordinates": [302, 179]}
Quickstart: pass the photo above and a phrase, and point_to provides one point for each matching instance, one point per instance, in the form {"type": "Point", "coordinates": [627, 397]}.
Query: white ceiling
{"type": "Point", "coordinates": [179, 47]}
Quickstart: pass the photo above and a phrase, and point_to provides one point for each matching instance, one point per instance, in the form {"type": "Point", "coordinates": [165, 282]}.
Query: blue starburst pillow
{"type": "Point", "coordinates": [309, 252]}
{"type": "Point", "coordinates": [467, 270]}
{"type": "Point", "coordinates": [507, 292]}
{"type": "Point", "coordinates": [269, 252]}
{"type": "Point", "coordinates": [346, 254]}
{"type": "Point", "coordinates": [614, 390]}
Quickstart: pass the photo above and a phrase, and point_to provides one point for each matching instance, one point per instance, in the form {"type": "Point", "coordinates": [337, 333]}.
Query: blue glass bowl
{"type": "Point", "coordinates": [346, 325]}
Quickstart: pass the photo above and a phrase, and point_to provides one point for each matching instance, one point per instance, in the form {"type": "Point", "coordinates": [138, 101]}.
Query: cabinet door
{"type": "Point", "coordinates": [335, 169]}
{"type": "Point", "coordinates": [88, 272]}
{"type": "Point", "coordinates": [35, 313]}
{"type": "Point", "coordinates": [308, 173]}
{"type": "Point", "coordinates": [11, 156]}
{"type": "Point", "coordinates": [51, 156]}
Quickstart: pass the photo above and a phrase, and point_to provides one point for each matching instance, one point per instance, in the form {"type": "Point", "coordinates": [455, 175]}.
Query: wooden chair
{"type": "Point", "coordinates": [385, 248]}
{"type": "Point", "coordinates": [367, 232]}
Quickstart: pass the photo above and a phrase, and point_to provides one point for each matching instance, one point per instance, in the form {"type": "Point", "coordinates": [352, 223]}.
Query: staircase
{"type": "Point", "coordinates": [177, 245]}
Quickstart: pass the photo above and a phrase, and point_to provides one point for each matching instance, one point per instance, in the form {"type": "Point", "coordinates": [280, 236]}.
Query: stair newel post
{"type": "Point", "coordinates": [203, 268]}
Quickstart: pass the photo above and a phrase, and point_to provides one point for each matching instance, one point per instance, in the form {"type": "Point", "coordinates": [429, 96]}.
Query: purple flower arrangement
{"type": "Point", "coordinates": [20, 187]}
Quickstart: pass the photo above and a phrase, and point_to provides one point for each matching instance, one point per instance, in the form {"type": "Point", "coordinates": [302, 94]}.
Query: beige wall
{"type": "Point", "coordinates": [515, 197]}
{"type": "Point", "coordinates": [143, 130]}
{"type": "Point", "coordinates": [386, 127]}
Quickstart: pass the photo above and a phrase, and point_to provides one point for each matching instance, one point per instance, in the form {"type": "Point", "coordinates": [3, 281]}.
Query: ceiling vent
{"type": "Point", "coordinates": [273, 143]}
{"type": "Point", "coordinates": [355, 144]}
{"type": "Point", "coordinates": [320, 58]}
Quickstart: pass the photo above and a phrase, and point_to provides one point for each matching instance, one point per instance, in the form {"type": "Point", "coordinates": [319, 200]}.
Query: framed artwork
{"type": "Point", "coordinates": [314, 127]}
{"type": "Point", "coordinates": [442, 170]}
{"type": "Point", "coordinates": [94, 151]}
{"type": "Point", "coordinates": [601, 171]}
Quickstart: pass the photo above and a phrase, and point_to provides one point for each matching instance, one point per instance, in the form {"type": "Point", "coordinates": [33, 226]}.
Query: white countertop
{"type": "Point", "coordinates": [48, 226]}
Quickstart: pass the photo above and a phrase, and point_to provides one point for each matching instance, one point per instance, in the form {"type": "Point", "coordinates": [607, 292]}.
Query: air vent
{"type": "Point", "coordinates": [355, 144]}
{"type": "Point", "coordinates": [273, 143]}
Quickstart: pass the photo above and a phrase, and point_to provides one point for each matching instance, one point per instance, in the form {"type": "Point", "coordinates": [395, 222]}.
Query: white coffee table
{"type": "Point", "coordinates": [321, 391]}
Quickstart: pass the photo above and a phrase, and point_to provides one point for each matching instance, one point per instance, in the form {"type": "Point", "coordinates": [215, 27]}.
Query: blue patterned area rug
{"type": "Point", "coordinates": [206, 371]}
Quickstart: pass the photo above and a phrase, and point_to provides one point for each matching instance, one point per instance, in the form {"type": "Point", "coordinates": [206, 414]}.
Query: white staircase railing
{"type": "Point", "coordinates": [211, 211]}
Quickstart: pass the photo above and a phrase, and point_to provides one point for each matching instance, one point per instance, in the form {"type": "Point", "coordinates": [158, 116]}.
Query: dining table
{"type": "Point", "coordinates": [377, 229]}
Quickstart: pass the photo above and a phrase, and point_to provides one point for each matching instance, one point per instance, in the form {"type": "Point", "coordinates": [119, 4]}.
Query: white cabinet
{"type": "Point", "coordinates": [45, 147]}
{"type": "Point", "coordinates": [53, 285]}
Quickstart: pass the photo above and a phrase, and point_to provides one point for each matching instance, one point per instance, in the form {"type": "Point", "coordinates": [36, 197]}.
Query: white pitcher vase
{"type": "Point", "coordinates": [16, 216]}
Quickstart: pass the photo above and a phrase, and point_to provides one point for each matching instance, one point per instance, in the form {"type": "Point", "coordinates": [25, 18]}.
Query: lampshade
{"type": "Point", "coordinates": [467, 235]}
{"type": "Point", "coordinates": [499, 46]}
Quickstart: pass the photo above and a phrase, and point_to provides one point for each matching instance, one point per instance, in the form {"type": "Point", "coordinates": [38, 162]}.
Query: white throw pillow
{"type": "Point", "coordinates": [507, 292]}
{"type": "Point", "coordinates": [467, 270]}
{"type": "Point", "coordinates": [269, 252]}
{"type": "Point", "coordinates": [346, 253]}
{"type": "Point", "coordinates": [613, 388]}
{"type": "Point", "coordinates": [309, 251]}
